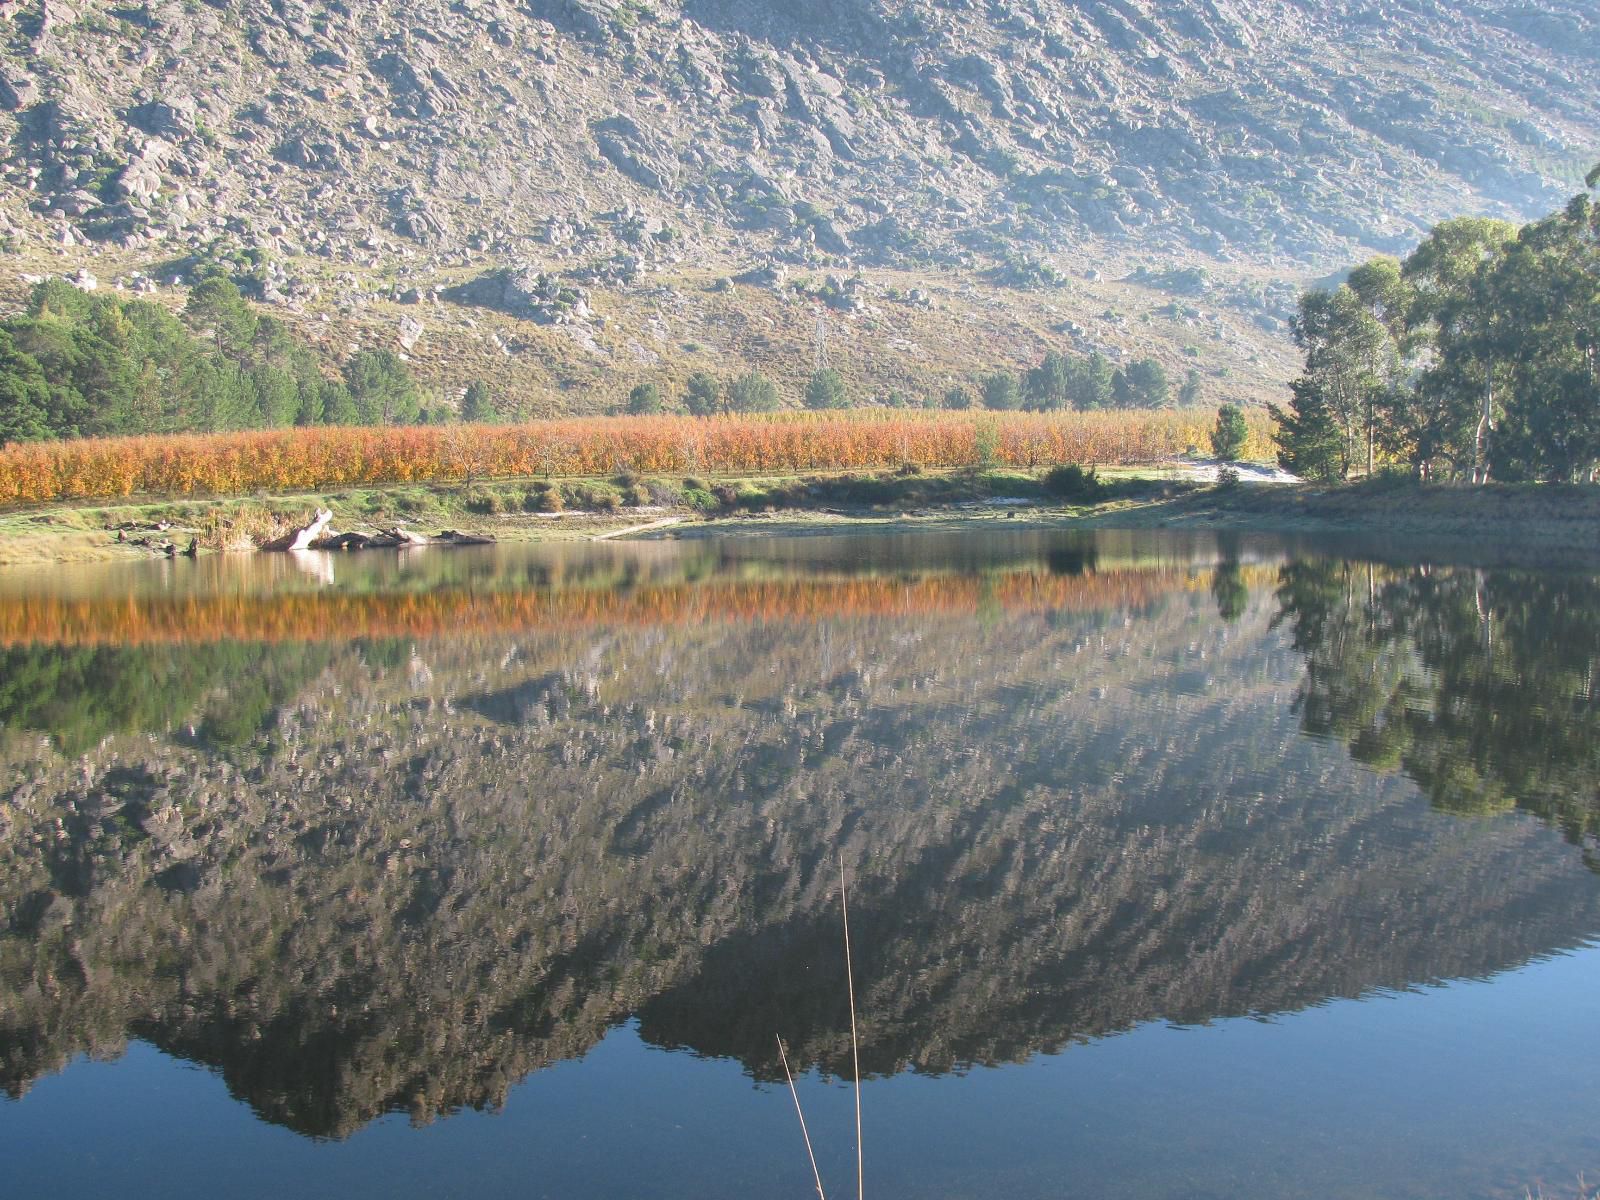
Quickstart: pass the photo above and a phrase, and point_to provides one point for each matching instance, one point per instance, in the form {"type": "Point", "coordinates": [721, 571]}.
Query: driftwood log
{"type": "Point", "coordinates": [319, 536]}
{"type": "Point", "coordinates": [384, 539]}
{"type": "Point", "coordinates": [301, 539]}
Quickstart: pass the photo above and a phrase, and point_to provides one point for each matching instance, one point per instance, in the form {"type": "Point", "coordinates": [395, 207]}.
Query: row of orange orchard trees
{"type": "Point", "coordinates": [314, 458]}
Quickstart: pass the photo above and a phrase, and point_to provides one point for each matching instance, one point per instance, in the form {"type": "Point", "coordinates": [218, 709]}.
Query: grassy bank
{"type": "Point", "coordinates": [903, 499]}
{"type": "Point", "coordinates": [1530, 524]}
{"type": "Point", "coordinates": [1556, 514]}
{"type": "Point", "coordinates": [515, 510]}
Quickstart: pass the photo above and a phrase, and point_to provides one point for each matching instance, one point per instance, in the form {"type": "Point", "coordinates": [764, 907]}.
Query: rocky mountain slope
{"type": "Point", "coordinates": [558, 192]}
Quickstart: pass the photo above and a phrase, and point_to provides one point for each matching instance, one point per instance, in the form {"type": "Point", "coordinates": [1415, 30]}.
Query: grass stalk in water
{"type": "Point", "coordinates": [799, 1112]}
{"type": "Point", "coordinates": [855, 1050]}
{"type": "Point", "coordinates": [855, 1056]}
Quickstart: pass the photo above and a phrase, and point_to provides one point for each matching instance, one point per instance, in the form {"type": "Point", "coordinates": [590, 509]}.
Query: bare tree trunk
{"type": "Point", "coordinates": [1370, 435]}
{"type": "Point", "coordinates": [1480, 450]}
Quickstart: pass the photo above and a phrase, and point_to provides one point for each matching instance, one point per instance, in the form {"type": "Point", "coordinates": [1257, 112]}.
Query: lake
{"type": "Point", "coordinates": [1178, 866]}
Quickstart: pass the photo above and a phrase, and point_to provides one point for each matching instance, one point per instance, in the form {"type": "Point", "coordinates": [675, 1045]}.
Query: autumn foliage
{"type": "Point", "coordinates": [317, 458]}
{"type": "Point", "coordinates": [335, 615]}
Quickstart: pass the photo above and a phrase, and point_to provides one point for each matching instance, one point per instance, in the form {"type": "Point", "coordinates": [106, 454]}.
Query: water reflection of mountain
{"type": "Point", "coordinates": [438, 866]}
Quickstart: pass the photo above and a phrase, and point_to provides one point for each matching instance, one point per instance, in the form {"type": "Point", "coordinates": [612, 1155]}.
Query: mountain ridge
{"type": "Point", "coordinates": [582, 179]}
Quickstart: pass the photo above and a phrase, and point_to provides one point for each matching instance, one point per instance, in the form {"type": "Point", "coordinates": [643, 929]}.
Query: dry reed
{"type": "Point", "coordinates": [799, 1112]}
{"type": "Point", "coordinates": [855, 1051]}
{"type": "Point", "coordinates": [855, 1054]}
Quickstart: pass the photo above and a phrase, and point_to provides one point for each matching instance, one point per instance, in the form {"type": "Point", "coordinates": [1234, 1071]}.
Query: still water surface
{"type": "Point", "coordinates": [1181, 867]}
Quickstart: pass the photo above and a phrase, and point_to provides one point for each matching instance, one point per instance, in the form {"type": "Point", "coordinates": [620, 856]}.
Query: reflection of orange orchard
{"type": "Point", "coordinates": [330, 616]}
{"type": "Point", "coordinates": [276, 460]}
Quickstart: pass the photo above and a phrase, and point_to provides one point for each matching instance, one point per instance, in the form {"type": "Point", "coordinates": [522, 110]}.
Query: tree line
{"type": "Point", "coordinates": [1086, 383]}
{"type": "Point", "coordinates": [79, 363]}
{"type": "Point", "coordinates": [1476, 356]}
{"type": "Point", "coordinates": [1057, 383]}
{"type": "Point", "coordinates": [86, 364]}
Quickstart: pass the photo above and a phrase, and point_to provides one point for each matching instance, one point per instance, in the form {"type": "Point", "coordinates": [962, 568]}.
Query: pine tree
{"type": "Point", "coordinates": [382, 388]}
{"type": "Point", "coordinates": [338, 405]}
{"type": "Point", "coordinates": [702, 395]}
{"type": "Point", "coordinates": [957, 399]}
{"type": "Point", "coordinates": [477, 404]}
{"type": "Point", "coordinates": [825, 389]}
{"type": "Point", "coordinates": [1189, 393]}
{"type": "Point", "coordinates": [1000, 392]}
{"type": "Point", "coordinates": [217, 310]}
{"type": "Point", "coordinates": [753, 392]}
{"type": "Point", "coordinates": [1091, 386]}
{"type": "Point", "coordinates": [1311, 442]}
{"type": "Point", "coordinates": [1147, 385]}
{"type": "Point", "coordinates": [1045, 386]}
{"type": "Point", "coordinates": [1229, 433]}
{"type": "Point", "coordinates": [25, 399]}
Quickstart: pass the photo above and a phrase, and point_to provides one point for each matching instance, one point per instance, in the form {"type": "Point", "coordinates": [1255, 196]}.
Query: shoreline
{"type": "Point", "coordinates": [1487, 531]}
{"type": "Point", "coordinates": [1543, 520]}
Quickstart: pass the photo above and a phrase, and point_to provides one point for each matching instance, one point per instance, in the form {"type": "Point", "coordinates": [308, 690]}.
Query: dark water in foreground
{"type": "Point", "coordinates": [1180, 868]}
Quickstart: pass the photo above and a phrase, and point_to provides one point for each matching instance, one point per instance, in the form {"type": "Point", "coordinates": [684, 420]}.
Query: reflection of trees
{"type": "Point", "coordinates": [78, 695]}
{"type": "Point", "coordinates": [1478, 685]}
{"type": "Point", "coordinates": [182, 619]}
{"type": "Point", "coordinates": [1228, 587]}
{"type": "Point", "coordinates": [445, 864]}
{"type": "Point", "coordinates": [1229, 590]}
